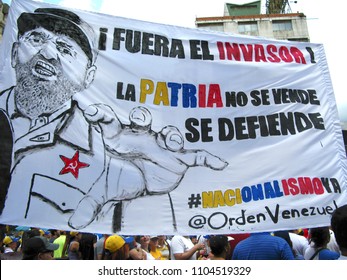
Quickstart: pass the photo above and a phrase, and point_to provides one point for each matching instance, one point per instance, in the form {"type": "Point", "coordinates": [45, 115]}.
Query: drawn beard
{"type": "Point", "coordinates": [35, 96]}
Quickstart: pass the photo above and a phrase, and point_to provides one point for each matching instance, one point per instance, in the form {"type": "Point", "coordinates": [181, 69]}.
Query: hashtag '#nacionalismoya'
{"type": "Point", "coordinates": [194, 200]}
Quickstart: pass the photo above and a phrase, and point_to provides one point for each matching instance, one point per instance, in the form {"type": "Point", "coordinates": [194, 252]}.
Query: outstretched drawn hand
{"type": "Point", "coordinates": [156, 162]}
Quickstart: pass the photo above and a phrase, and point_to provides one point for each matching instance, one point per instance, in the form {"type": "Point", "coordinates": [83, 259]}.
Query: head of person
{"type": "Point", "coordinates": [29, 234]}
{"type": "Point", "coordinates": [219, 245]}
{"type": "Point", "coordinates": [153, 242]}
{"type": "Point", "coordinates": [74, 246]}
{"type": "Point", "coordinates": [53, 58]}
{"type": "Point", "coordinates": [339, 226]}
{"type": "Point", "coordinates": [38, 248]}
{"type": "Point", "coordinates": [285, 235]}
{"type": "Point", "coordinates": [162, 239]}
{"type": "Point", "coordinates": [75, 235]}
{"type": "Point", "coordinates": [10, 242]}
{"type": "Point", "coordinates": [320, 236]}
{"type": "Point", "coordinates": [33, 232]}
{"type": "Point", "coordinates": [143, 240]}
{"type": "Point", "coordinates": [115, 248]}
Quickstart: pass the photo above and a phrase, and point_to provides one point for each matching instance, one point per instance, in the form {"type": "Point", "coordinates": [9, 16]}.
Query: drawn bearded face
{"type": "Point", "coordinates": [50, 69]}
{"type": "Point", "coordinates": [35, 96]}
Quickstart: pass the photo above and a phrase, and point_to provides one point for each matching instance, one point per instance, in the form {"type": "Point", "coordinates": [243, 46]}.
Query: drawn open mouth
{"type": "Point", "coordinates": [44, 70]}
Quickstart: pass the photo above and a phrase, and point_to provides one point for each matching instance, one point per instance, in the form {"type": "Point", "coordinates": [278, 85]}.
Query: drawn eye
{"type": "Point", "coordinates": [65, 50]}
{"type": "Point", "coordinates": [36, 40]}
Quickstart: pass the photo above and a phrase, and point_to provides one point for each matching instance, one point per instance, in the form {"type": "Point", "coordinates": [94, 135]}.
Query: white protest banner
{"type": "Point", "coordinates": [112, 124]}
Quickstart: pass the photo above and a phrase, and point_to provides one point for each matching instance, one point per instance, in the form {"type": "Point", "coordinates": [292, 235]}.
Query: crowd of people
{"type": "Point", "coordinates": [321, 243]}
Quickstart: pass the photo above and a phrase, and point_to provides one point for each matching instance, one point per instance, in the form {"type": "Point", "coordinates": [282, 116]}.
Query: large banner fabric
{"type": "Point", "coordinates": [118, 125]}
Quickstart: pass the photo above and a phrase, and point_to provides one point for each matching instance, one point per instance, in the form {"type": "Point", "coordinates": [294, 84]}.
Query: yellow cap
{"type": "Point", "coordinates": [114, 243]}
{"type": "Point", "coordinates": [7, 240]}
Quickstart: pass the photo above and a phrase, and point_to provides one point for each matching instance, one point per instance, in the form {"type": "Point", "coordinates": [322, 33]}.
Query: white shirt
{"type": "Point", "coordinates": [332, 245]}
{"type": "Point", "coordinates": [203, 240]}
{"type": "Point", "coordinates": [300, 243]}
{"type": "Point", "coordinates": [180, 244]}
{"type": "Point", "coordinates": [149, 255]}
{"type": "Point", "coordinates": [8, 250]}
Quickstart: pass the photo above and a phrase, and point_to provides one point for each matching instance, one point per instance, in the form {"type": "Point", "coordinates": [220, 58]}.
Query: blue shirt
{"type": "Point", "coordinates": [263, 246]}
{"type": "Point", "coordinates": [326, 254]}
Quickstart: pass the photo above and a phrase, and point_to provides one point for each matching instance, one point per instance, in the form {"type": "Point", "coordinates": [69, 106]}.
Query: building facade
{"type": "Point", "coordinates": [247, 20]}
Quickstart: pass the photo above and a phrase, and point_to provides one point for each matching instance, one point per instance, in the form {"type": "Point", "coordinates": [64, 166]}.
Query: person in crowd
{"type": "Point", "coordinates": [15, 254]}
{"type": "Point", "coordinates": [220, 247]}
{"type": "Point", "coordinates": [28, 234]}
{"type": "Point", "coordinates": [182, 248]}
{"type": "Point", "coordinates": [74, 236]}
{"type": "Point", "coordinates": [332, 245]}
{"type": "Point", "coordinates": [204, 239]}
{"type": "Point", "coordinates": [143, 240]}
{"type": "Point", "coordinates": [299, 242]}
{"type": "Point", "coordinates": [194, 239]}
{"type": "Point", "coordinates": [10, 244]}
{"type": "Point", "coordinates": [135, 250]}
{"type": "Point", "coordinates": [39, 248]}
{"type": "Point", "coordinates": [54, 235]}
{"type": "Point", "coordinates": [236, 238]}
{"type": "Point", "coordinates": [73, 245]}
{"type": "Point", "coordinates": [153, 247]}
{"type": "Point", "coordinates": [74, 251]}
{"type": "Point", "coordinates": [61, 240]}
{"type": "Point", "coordinates": [285, 235]}
{"type": "Point", "coordinates": [303, 232]}
{"type": "Point", "coordinates": [319, 239]}
{"type": "Point", "coordinates": [47, 234]}
{"type": "Point", "coordinates": [87, 245]}
{"type": "Point", "coordinates": [339, 227]}
{"type": "Point", "coordinates": [115, 248]}
{"type": "Point", "coordinates": [99, 246]}
{"type": "Point", "coordinates": [263, 246]}
{"type": "Point", "coordinates": [164, 247]}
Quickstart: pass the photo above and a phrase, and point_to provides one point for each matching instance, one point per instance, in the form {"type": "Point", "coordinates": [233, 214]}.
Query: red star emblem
{"type": "Point", "coordinates": [72, 165]}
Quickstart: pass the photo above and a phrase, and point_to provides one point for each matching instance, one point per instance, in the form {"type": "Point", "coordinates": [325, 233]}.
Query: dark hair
{"type": "Point", "coordinates": [53, 231]}
{"type": "Point", "coordinates": [138, 238]}
{"type": "Point", "coordinates": [320, 236]}
{"type": "Point", "coordinates": [285, 235]}
{"type": "Point", "coordinates": [118, 255]}
{"type": "Point", "coordinates": [29, 234]}
{"type": "Point", "coordinates": [218, 244]}
{"type": "Point", "coordinates": [87, 245]}
{"type": "Point", "coordinates": [32, 247]}
{"type": "Point", "coordinates": [339, 226]}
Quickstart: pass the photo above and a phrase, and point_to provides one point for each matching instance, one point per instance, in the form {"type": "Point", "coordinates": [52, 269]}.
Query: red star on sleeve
{"type": "Point", "coordinates": [72, 165]}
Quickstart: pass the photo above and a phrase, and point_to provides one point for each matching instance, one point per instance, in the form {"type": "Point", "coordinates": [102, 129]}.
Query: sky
{"type": "Point", "coordinates": [325, 20]}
